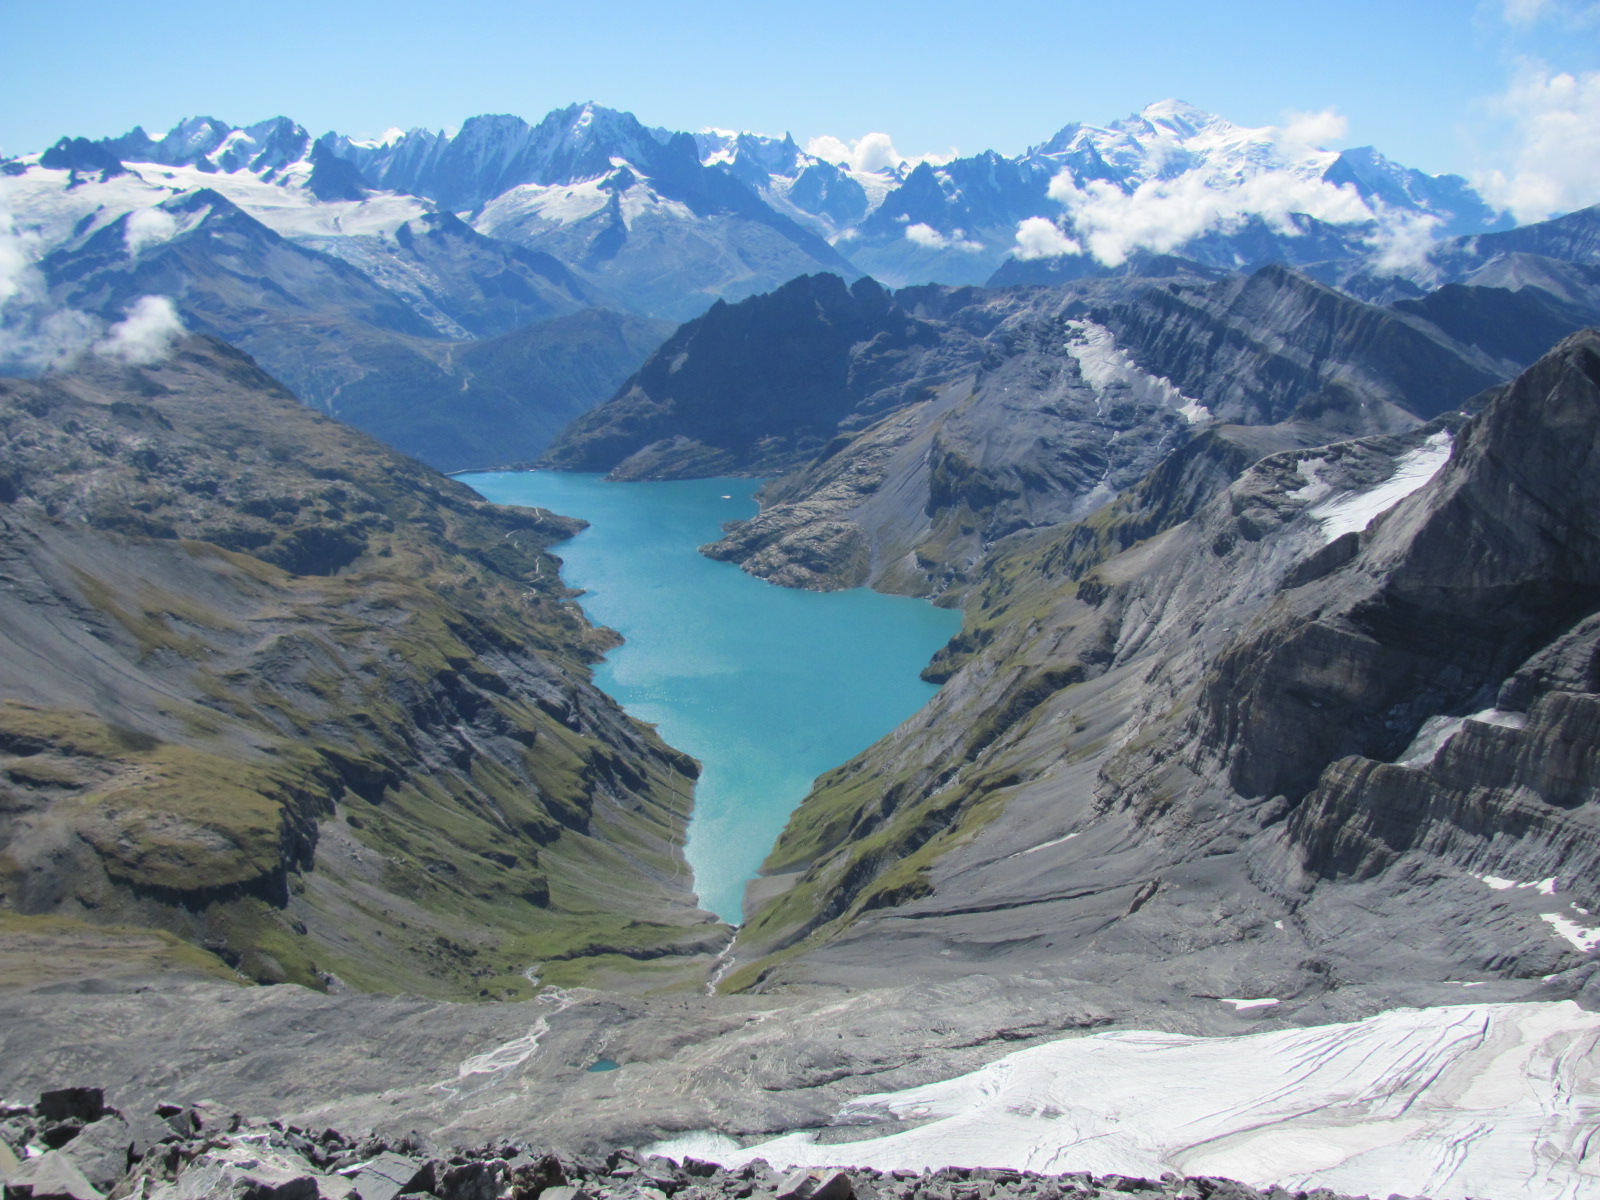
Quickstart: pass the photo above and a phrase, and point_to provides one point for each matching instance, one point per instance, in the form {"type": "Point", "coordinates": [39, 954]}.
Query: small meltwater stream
{"type": "Point", "coordinates": [768, 687]}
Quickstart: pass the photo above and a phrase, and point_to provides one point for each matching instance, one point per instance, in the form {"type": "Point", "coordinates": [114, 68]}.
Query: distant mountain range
{"type": "Point", "coordinates": [665, 222]}
{"type": "Point", "coordinates": [370, 275]}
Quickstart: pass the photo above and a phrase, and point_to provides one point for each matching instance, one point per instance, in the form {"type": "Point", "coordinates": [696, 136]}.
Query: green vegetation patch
{"type": "Point", "coordinates": [163, 815]}
{"type": "Point", "coordinates": [888, 867]}
{"type": "Point", "coordinates": [183, 820]}
{"type": "Point", "coordinates": [44, 950]}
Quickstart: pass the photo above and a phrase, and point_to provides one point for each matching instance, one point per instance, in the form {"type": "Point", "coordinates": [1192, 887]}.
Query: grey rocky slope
{"type": "Point", "coordinates": [929, 424]}
{"type": "Point", "coordinates": [307, 704]}
{"type": "Point", "coordinates": [1274, 750]}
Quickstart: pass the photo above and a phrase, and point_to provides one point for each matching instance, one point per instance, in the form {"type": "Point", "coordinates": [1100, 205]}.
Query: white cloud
{"type": "Point", "coordinates": [1402, 241]}
{"type": "Point", "coordinates": [16, 261]}
{"type": "Point", "coordinates": [146, 335]}
{"type": "Point", "coordinates": [874, 152]}
{"type": "Point", "coordinates": [37, 335]}
{"type": "Point", "coordinates": [1530, 12]}
{"type": "Point", "coordinates": [33, 336]}
{"type": "Point", "coordinates": [1162, 214]}
{"type": "Point", "coordinates": [1555, 117]}
{"type": "Point", "coordinates": [871, 153]}
{"type": "Point", "coordinates": [34, 340]}
{"type": "Point", "coordinates": [148, 227]}
{"type": "Point", "coordinates": [928, 236]}
{"type": "Point", "coordinates": [1523, 12]}
{"type": "Point", "coordinates": [1313, 130]}
{"type": "Point", "coordinates": [1038, 237]}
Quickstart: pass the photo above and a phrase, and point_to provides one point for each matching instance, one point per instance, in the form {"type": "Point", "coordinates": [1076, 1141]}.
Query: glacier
{"type": "Point", "coordinates": [1467, 1100]}
{"type": "Point", "coordinates": [1353, 511]}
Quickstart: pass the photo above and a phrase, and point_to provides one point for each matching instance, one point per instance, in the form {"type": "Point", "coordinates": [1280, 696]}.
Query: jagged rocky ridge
{"type": "Point", "coordinates": [1314, 736]}
{"type": "Point", "coordinates": [307, 704]}
{"type": "Point", "coordinates": [922, 427]}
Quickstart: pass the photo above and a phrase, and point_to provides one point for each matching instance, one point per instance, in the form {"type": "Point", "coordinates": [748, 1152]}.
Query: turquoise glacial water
{"type": "Point", "coordinates": [768, 687]}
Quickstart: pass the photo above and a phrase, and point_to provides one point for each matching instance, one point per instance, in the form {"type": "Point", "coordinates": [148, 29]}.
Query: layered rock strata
{"type": "Point", "coordinates": [1332, 729]}
{"type": "Point", "coordinates": [920, 429]}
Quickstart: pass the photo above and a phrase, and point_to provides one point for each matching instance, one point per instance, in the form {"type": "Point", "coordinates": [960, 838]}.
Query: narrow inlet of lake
{"type": "Point", "coordinates": [767, 686]}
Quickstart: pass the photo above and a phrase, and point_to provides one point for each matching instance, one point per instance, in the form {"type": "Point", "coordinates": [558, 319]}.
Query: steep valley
{"type": "Point", "coordinates": [1258, 754]}
{"type": "Point", "coordinates": [1139, 772]}
{"type": "Point", "coordinates": [1271, 716]}
{"type": "Point", "coordinates": [1252, 746]}
{"type": "Point", "coordinates": [309, 705]}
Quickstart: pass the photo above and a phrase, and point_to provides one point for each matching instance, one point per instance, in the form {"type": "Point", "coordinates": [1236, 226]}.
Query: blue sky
{"type": "Point", "coordinates": [1470, 86]}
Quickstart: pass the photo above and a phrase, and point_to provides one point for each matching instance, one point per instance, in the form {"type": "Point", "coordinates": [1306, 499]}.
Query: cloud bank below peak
{"type": "Point", "coordinates": [870, 152]}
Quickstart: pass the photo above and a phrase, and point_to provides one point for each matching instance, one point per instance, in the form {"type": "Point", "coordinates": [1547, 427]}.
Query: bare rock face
{"type": "Point", "coordinates": [920, 429]}
{"type": "Point", "coordinates": [1275, 749]}
{"type": "Point", "coordinates": [1452, 594]}
{"type": "Point", "coordinates": [1510, 788]}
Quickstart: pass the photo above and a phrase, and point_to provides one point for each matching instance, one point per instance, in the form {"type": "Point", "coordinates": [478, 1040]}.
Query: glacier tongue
{"type": "Point", "coordinates": [1469, 1100]}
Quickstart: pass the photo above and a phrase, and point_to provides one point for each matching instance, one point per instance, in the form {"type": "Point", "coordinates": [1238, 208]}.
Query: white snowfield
{"type": "Point", "coordinates": [1493, 1101]}
{"type": "Point", "coordinates": [1351, 512]}
{"type": "Point", "coordinates": [1110, 370]}
{"type": "Point", "coordinates": [54, 214]}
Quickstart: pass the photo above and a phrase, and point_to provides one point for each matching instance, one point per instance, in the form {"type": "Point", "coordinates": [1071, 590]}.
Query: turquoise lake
{"type": "Point", "coordinates": [767, 686]}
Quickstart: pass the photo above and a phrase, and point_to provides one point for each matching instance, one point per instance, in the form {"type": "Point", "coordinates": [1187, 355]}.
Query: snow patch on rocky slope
{"type": "Point", "coordinates": [1351, 512]}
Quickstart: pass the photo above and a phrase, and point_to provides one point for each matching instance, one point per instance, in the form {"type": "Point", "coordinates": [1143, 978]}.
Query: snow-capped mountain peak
{"type": "Point", "coordinates": [1169, 179]}
{"type": "Point", "coordinates": [1176, 118]}
{"type": "Point", "coordinates": [208, 143]}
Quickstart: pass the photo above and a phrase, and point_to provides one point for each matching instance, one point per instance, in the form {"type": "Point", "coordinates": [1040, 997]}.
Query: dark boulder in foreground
{"type": "Point", "coordinates": [200, 1151]}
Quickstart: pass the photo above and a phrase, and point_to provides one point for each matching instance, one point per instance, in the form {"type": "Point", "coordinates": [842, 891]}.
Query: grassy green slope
{"type": "Point", "coordinates": [304, 702]}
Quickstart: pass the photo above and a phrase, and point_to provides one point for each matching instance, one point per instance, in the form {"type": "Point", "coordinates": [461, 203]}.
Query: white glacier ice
{"type": "Point", "coordinates": [1468, 1100]}
{"type": "Point", "coordinates": [1106, 367]}
{"type": "Point", "coordinates": [1351, 512]}
{"type": "Point", "coordinates": [1436, 731]}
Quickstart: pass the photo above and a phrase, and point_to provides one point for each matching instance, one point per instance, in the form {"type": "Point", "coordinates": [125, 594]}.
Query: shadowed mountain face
{"type": "Point", "coordinates": [1272, 750]}
{"type": "Point", "coordinates": [306, 703]}
{"type": "Point", "coordinates": [929, 424]}
{"type": "Point", "coordinates": [755, 388]}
